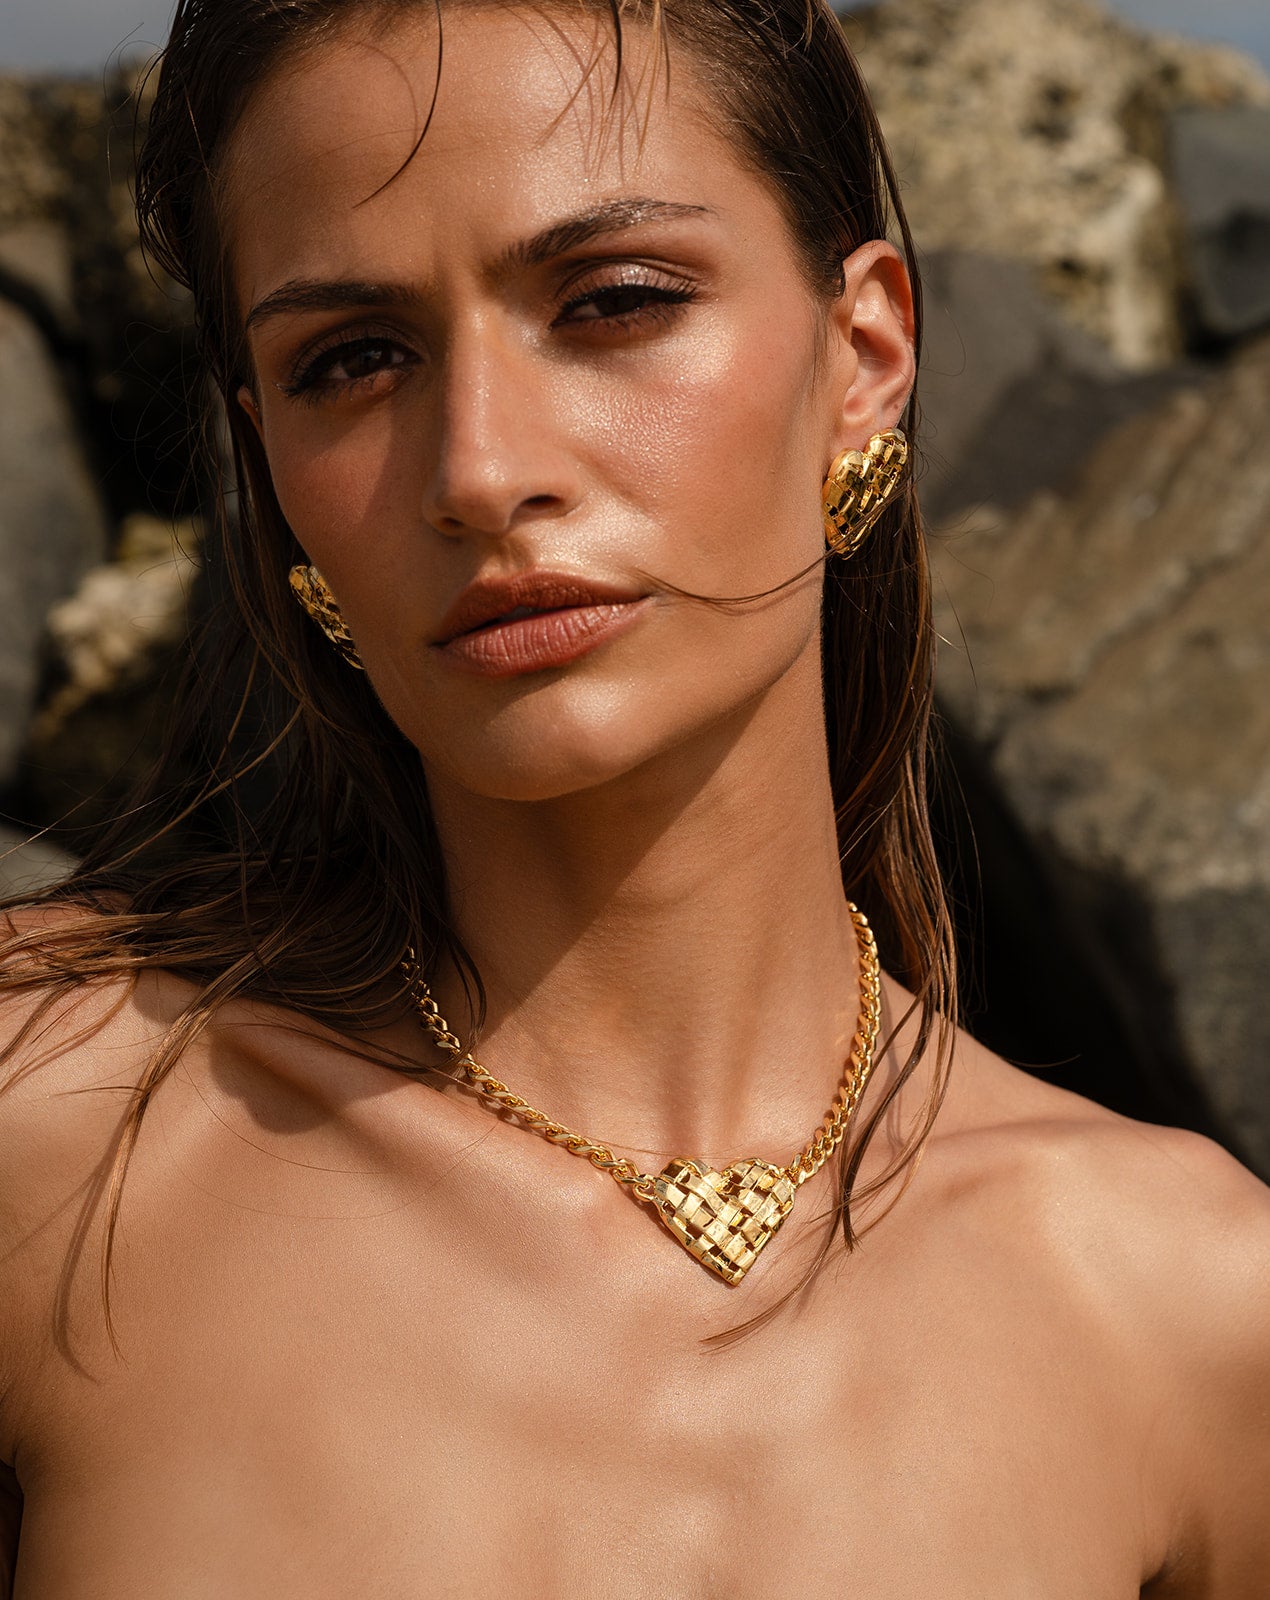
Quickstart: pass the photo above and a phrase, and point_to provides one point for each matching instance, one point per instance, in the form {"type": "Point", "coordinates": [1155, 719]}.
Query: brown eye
{"type": "Point", "coordinates": [364, 359]}
{"type": "Point", "coordinates": [345, 365]}
{"type": "Point", "coordinates": [624, 302]}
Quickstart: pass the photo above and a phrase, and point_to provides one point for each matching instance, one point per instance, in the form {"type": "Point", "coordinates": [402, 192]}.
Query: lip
{"type": "Point", "coordinates": [566, 617]}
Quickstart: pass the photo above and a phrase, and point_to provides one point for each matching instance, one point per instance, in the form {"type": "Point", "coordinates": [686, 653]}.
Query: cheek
{"type": "Point", "coordinates": [337, 483]}
{"type": "Point", "coordinates": [719, 454]}
{"type": "Point", "coordinates": [703, 458]}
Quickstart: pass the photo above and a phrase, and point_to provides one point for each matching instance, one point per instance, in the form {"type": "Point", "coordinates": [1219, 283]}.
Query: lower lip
{"type": "Point", "coordinates": [536, 644]}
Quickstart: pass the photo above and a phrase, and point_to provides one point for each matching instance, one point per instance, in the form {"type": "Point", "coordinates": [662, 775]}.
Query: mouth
{"type": "Point", "coordinates": [496, 602]}
{"type": "Point", "coordinates": [533, 621]}
{"type": "Point", "coordinates": [516, 614]}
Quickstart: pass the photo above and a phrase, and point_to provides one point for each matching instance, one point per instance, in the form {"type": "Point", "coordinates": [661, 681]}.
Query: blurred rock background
{"type": "Point", "coordinates": [1093, 207]}
{"type": "Point", "coordinates": [98, 494]}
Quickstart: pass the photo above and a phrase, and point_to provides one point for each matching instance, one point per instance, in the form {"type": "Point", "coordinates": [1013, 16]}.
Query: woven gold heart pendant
{"type": "Point", "coordinates": [724, 1218]}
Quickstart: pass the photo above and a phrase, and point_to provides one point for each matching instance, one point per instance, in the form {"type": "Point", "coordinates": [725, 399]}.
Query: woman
{"type": "Point", "coordinates": [540, 329]}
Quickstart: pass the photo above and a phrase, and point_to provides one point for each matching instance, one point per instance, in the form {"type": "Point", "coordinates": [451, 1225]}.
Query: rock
{"type": "Point", "coordinates": [1014, 396]}
{"type": "Point", "coordinates": [66, 213]}
{"type": "Point", "coordinates": [60, 145]}
{"type": "Point", "coordinates": [35, 262]}
{"type": "Point", "coordinates": [1221, 164]}
{"type": "Point", "coordinates": [125, 614]}
{"type": "Point", "coordinates": [34, 171]}
{"type": "Point", "coordinates": [1037, 130]}
{"type": "Point", "coordinates": [1113, 679]}
{"type": "Point", "coordinates": [52, 526]}
{"type": "Point", "coordinates": [29, 864]}
{"type": "Point", "coordinates": [988, 328]}
{"type": "Point", "coordinates": [115, 646]}
{"type": "Point", "coordinates": [1206, 75]}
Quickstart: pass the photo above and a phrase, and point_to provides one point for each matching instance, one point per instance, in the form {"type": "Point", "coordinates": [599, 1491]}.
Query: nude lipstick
{"type": "Point", "coordinates": [532, 622]}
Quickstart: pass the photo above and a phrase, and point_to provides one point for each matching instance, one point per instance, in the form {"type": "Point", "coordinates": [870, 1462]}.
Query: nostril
{"type": "Point", "coordinates": [485, 509]}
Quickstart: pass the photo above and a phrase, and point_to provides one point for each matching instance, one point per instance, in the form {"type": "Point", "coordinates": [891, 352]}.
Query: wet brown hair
{"type": "Point", "coordinates": [284, 849]}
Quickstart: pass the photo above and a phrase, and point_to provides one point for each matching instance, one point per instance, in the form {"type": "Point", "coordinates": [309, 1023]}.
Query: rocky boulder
{"type": "Point", "coordinates": [96, 405]}
{"type": "Point", "coordinates": [70, 259]}
{"type": "Point", "coordinates": [1014, 395]}
{"type": "Point", "coordinates": [109, 649]}
{"type": "Point", "coordinates": [1108, 660]}
{"type": "Point", "coordinates": [52, 523]}
{"type": "Point", "coordinates": [1039, 131]}
{"type": "Point", "coordinates": [1221, 171]}
{"type": "Point", "coordinates": [66, 215]}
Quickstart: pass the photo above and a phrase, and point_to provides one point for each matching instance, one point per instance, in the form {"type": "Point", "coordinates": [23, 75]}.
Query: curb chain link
{"type": "Point", "coordinates": [805, 1164]}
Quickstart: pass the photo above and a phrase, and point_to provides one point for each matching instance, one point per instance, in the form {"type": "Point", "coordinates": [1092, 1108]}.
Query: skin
{"type": "Point", "coordinates": [374, 1340]}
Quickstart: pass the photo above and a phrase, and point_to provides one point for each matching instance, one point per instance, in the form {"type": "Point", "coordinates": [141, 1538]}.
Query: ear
{"type": "Point", "coordinates": [873, 348]}
{"type": "Point", "coordinates": [247, 400]}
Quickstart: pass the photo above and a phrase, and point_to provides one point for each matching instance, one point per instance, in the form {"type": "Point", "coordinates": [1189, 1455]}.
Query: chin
{"type": "Point", "coordinates": [547, 736]}
{"type": "Point", "coordinates": [536, 749]}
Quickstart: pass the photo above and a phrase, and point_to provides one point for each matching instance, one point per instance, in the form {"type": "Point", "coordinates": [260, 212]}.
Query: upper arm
{"type": "Point", "coordinates": [1235, 1404]}
{"type": "Point", "coordinates": [67, 1070]}
{"type": "Point", "coordinates": [1215, 1318]}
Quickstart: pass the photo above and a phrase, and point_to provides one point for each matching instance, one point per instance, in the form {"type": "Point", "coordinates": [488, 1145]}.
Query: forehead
{"type": "Point", "coordinates": [524, 124]}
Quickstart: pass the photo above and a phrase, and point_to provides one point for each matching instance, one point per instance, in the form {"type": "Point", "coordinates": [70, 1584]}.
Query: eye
{"type": "Point", "coordinates": [632, 299]}
{"type": "Point", "coordinates": [346, 365]}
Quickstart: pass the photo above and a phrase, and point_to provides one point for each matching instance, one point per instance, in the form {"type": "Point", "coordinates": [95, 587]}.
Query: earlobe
{"type": "Point", "coordinates": [875, 323]}
{"type": "Point", "coordinates": [247, 400]}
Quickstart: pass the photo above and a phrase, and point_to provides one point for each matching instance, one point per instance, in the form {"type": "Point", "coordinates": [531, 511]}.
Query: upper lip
{"type": "Point", "coordinates": [489, 598]}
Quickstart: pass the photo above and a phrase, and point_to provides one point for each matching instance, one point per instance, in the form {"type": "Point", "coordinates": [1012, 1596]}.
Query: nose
{"type": "Point", "coordinates": [500, 457]}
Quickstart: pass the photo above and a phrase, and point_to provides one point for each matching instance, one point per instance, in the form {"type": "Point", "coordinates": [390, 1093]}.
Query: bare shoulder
{"type": "Point", "coordinates": [76, 1057]}
{"type": "Point", "coordinates": [71, 1057]}
{"type": "Point", "coordinates": [249, 1095]}
{"type": "Point", "coordinates": [72, 1043]}
{"type": "Point", "coordinates": [82, 1068]}
{"type": "Point", "coordinates": [1163, 1239]}
{"type": "Point", "coordinates": [1166, 1207]}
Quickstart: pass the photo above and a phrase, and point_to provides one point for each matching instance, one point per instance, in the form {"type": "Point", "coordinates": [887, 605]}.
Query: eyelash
{"type": "Point", "coordinates": [309, 382]}
{"type": "Point", "coordinates": [660, 300]}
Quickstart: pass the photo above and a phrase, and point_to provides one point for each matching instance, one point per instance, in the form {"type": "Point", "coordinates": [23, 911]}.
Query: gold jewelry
{"type": "Point", "coordinates": [859, 485]}
{"type": "Point", "coordinates": [314, 593]}
{"type": "Point", "coordinates": [722, 1218]}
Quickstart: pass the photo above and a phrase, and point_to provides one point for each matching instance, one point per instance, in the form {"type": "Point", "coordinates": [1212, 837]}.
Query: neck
{"type": "Point", "coordinates": [669, 962]}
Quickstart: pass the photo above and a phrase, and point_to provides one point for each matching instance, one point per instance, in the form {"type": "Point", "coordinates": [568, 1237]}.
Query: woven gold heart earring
{"type": "Point", "coordinates": [858, 488]}
{"type": "Point", "coordinates": [314, 593]}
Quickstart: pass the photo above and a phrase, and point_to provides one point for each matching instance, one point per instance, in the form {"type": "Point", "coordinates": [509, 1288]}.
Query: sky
{"type": "Point", "coordinates": [81, 35]}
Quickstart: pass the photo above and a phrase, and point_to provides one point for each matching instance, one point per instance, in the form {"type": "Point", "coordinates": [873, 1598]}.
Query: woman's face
{"type": "Point", "coordinates": [562, 354]}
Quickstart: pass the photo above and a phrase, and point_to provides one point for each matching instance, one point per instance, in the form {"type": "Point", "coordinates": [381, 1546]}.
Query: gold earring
{"type": "Point", "coordinates": [314, 593]}
{"type": "Point", "coordinates": [859, 485]}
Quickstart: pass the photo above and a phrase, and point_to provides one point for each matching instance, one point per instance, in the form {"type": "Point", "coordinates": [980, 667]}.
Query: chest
{"type": "Point", "coordinates": [368, 1402]}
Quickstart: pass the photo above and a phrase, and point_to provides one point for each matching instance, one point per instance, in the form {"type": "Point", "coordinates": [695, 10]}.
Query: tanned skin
{"type": "Point", "coordinates": [374, 1341]}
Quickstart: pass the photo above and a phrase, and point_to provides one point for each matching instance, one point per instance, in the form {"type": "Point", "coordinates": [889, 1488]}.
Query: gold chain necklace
{"type": "Point", "coordinates": [722, 1218]}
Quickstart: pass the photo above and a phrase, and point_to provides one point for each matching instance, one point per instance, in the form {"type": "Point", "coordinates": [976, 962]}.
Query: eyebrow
{"type": "Point", "coordinates": [300, 295]}
{"type": "Point", "coordinates": [316, 294]}
{"type": "Point", "coordinates": [613, 216]}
